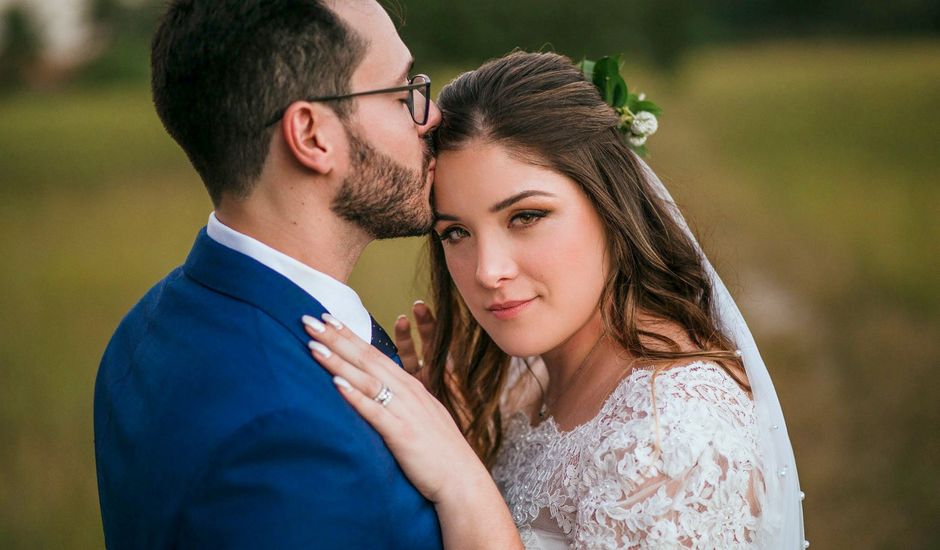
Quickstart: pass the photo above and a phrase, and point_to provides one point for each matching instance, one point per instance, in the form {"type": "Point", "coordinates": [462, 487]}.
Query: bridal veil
{"type": "Point", "coordinates": [781, 504]}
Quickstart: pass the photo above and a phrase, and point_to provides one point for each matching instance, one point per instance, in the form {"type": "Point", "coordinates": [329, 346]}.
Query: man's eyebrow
{"type": "Point", "coordinates": [404, 76]}
{"type": "Point", "coordinates": [506, 203]}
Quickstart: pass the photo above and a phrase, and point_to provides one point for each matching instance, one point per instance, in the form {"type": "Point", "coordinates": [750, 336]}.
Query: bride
{"type": "Point", "coordinates": [643, 415]}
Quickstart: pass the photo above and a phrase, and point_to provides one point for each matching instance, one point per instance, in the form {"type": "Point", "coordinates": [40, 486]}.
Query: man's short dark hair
{"type": "Point", "coordinates": [223, 68]}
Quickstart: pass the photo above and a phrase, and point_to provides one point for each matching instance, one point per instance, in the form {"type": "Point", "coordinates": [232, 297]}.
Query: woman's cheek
{"type": "Point", "coordinates": [578, 267]}
{"type": "Point", "coordinates": [462, 271]}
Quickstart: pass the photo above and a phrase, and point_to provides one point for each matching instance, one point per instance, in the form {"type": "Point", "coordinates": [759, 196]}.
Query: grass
{"type": "Point", "coordinates": [845, 150]}
{"type": "Point", "coordinates": [824, 168]}
{"type": "Point", "coordinates": [82, 141]}
{"type": "Point", "coordinates": [810, 169]}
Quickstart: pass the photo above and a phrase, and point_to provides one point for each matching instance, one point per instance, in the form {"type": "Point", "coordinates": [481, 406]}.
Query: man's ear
{"type": "Point", "coordinates": [314, 135]}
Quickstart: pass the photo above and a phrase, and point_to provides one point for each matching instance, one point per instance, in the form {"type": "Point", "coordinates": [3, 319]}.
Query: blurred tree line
{"type": "Point", "coordinates": [120, 44]}
{"type": "Point", "coordinates": [123, 33]}
{"type": "Point", "coordinates": [657, 32]}
{"type": "Point", "coordinates": [19, 48]}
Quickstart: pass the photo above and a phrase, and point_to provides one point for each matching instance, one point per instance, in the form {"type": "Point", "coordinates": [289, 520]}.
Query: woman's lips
{"type": "Point", "coordinates": [509, 310]}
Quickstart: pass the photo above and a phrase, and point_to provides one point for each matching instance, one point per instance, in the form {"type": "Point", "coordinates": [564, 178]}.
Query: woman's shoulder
{"type": "Point", "coordinates": [694, 398]}
{"type": "Point", "coordinates": [703, 389]}
{"type": "Point", "coordinates": [694, 377]}
{"type": "Point", "coordinates": [688, 381]}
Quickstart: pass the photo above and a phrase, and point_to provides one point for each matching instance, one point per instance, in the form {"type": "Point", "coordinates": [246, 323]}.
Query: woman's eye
{"type": "Point", "coordinates": [452, 234]}
{"type": "Point", "coordinates": [527, 217]}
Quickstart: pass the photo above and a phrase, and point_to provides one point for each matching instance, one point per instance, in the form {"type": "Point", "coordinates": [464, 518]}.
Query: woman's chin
{"type": "Point", "coordinates": [519, 346]}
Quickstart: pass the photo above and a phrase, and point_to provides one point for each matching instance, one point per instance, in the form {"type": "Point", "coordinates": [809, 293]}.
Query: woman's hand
{"type": "Point", "coordinates": [417, 429]}
{"type": "Point", "coordinates": [421, 435]}
{"type": "Point", "coordinates": [407, 350]}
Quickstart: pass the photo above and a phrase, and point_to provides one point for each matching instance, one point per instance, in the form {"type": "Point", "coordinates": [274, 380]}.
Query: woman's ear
{"type": "Point", "coordinates": [313, 134]}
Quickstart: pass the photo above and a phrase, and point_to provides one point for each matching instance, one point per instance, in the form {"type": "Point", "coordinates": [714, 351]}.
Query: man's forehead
{"type": "Point", "coordinates": [384, 65]}
{"type": "Point", "coordinates": [386, 58]}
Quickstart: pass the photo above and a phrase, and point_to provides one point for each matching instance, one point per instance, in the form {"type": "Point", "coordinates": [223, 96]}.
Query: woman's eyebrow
{"type": "Point", "coordinates": [501, 205]}
{"type": "Point", "coordinates": [439, 217]}
{"type": "Point", "coordinates": [506, 203]}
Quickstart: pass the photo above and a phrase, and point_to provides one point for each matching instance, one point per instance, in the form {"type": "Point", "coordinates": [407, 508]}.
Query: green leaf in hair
{"type": "Point", "coordinates": [637, 115]}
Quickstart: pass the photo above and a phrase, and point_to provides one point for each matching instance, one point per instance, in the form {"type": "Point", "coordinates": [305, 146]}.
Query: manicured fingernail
{"type": "Point", "coordinates": [313, 323]}
{"type": "Point", "coordinates": [332, 321]}
{"type": "Point", "coordinates": [342, 383]}
{"type": "Point", "coordinates": [419, 302]}
{"type": "Point", "coordinates": [319, 349]}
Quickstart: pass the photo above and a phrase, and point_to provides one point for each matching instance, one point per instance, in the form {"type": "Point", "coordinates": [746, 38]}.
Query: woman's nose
{"type": "Point", "coordinates": [495, 265]}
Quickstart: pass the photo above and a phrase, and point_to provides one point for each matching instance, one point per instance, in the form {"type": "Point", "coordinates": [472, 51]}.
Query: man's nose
{"type": "Point", "coordinates": [434, 119]}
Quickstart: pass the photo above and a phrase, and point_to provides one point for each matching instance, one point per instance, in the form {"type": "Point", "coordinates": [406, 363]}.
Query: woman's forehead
{"type": "Point", "coordinates": [490, 172]}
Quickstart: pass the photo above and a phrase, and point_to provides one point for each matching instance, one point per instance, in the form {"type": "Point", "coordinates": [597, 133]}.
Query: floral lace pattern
{"type": "Point", "coordinates": [686, 476]}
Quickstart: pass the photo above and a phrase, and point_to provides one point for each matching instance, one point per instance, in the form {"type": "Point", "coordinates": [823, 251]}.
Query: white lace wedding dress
{"type": "Point", "coordinates": [683, 474]}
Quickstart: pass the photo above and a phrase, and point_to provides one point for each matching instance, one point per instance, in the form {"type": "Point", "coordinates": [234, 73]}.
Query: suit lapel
{"type": "Point", "coordinates": [236, 275]}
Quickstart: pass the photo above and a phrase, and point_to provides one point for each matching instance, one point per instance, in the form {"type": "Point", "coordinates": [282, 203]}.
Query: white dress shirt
{"type": "Point", "coordinates": [341, 301]}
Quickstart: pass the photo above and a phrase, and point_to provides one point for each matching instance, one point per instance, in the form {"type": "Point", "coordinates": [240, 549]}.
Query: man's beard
{"type": "Point", "coordinates": [383, 197]}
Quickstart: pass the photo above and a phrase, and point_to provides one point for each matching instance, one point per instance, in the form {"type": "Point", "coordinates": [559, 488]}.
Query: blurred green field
{"type": "Point", "coordinates": [809, 169]}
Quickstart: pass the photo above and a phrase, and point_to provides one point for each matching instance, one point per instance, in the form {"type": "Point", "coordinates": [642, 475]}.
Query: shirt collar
{"type": "Point", "coordinates": [340, 300]}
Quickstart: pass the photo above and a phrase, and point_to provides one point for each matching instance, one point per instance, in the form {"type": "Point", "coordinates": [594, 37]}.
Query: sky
{"type": "Point", "coordinates": [62, 25]}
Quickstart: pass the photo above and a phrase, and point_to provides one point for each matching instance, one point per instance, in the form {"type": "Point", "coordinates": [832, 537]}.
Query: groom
{"type": "Point", "coordinates": [214, 427]}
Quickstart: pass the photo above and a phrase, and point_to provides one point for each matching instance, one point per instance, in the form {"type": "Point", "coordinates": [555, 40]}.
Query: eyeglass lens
{"type": "Point", "coordinates": [419, 99]}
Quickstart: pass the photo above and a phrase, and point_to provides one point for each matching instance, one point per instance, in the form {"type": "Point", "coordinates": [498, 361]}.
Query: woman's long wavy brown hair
{"type": "Point", "coordinates": [542, 109]}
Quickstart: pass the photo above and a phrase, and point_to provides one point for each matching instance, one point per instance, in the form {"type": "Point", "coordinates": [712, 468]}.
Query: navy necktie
{"type": "Point", "coordinates": [382, 341]}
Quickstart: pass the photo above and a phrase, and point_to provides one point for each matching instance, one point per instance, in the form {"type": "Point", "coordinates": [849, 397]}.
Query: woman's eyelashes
{"type": "Point", "coordinates": [527, 218]}
{"type": "Point", "coordinates": [452, 234]}
{"type": "Point", "coordinates": [523, 219]}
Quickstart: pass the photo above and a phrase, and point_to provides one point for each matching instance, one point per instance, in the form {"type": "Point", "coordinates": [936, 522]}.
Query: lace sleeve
{"type": "Point", "coordinates": [687, 476]}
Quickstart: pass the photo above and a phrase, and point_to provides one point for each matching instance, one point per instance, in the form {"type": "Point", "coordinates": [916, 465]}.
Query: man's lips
{"type": "Point", "coordinates": [508, 310]}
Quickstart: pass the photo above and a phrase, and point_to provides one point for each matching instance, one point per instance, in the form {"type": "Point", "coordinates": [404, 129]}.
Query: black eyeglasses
{"type": "Point", "coordinates": [419, 103]}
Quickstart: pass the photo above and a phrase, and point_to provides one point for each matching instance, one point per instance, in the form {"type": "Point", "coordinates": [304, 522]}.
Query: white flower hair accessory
{"type": "Point", "coordinates": [638, 116]}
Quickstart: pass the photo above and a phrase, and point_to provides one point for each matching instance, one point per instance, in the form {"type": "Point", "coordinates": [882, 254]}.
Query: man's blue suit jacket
{"type": "Point", "coordinates": [215, 428]}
